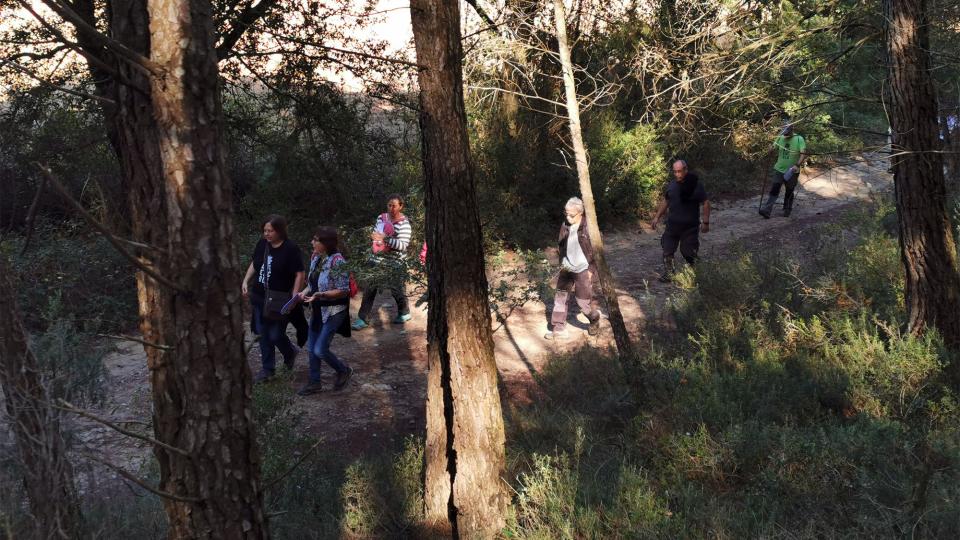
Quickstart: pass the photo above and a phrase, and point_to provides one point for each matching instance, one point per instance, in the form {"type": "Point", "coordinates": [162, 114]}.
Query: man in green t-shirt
{"type": "Point", "coordinates": [786, 171]}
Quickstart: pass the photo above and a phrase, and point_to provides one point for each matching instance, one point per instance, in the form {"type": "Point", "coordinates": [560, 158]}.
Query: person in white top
{"type": "Point", "coordinates": [576, 272]}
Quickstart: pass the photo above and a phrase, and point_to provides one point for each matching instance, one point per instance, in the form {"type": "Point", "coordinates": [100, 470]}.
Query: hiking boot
{"type": "Point", "coordinates": [342, 379]}
{"type": "Point", "coordinates": [401, 319]}
{"type": "Point", "coordinates": [765, 213]}
{"type": "Point", "coordinates": [309, 389]}
{"type": "Point", "coordinates": [262, 377]}
{"type": "Point", "coordinates": [359, 324]}
{"type": "Point", "coordinates": [786, 212]}
{"type": "Point", "coordinates": [594, 328]}
{"type": "Point", "coordinates": [554, 335]}
{"type": "Point", "coordinates": [667, 275]}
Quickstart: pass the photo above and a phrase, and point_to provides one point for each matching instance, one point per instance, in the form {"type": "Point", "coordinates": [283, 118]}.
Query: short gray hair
{"type": "Point", "coordinates": [576, 203]}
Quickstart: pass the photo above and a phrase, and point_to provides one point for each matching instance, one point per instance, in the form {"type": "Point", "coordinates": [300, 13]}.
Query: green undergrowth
{"type": "Point", "coordinates": [784, 403]}
{"type": "Point", "coordinates": [779, 399]}
{"type": "Point", "coordinates": [315, 489]}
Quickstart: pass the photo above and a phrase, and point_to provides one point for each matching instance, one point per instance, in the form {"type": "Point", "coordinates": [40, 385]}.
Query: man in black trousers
{"type": "Point", "coordinates": [682, 199]}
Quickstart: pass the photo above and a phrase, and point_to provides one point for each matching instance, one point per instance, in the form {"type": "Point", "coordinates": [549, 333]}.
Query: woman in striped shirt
{"type": "Point", "coordinates": [395, 250]}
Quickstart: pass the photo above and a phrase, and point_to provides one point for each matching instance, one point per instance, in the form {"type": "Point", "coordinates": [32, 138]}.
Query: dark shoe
{"type": "Point", "coordinates": [765, 214]}
{"type": "Point", "coordinates": [668, 269]}
{"type": "Point", "coordinates": [594, 328]}
{"type": "Point", "coordinates": [309, 389]}
{"type": "Point", "coordinates": [262, 377]}
{"type": "Point", "coordinates": [342, 379]}
{"type": "Point", "coordinates": [786, 212]}
{"type": "Point", "coordinates": [289, 362]}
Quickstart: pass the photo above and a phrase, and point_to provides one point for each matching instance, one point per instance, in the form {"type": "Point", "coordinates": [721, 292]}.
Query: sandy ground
{"type": "Point", "coordinates": [385, 399]}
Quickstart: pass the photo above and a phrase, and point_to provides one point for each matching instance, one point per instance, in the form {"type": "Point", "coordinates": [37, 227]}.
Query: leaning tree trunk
{"type": "Point", "coordinates": [620, 334]}
{"type": "Point", "coordinates": [465, 434]}
{"type": "Point", "coordinates": [927, 246]}
{"type": "Point", "coordinates": [47, 474]}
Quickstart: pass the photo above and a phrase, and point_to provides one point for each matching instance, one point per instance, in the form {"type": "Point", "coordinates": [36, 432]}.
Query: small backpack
{"type": "Point", "coordinates": [353, 282]}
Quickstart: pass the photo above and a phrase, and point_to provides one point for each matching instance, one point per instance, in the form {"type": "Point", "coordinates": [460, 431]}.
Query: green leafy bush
{"type": "Point", "coordinates": [627, 169]}
{"type": "Point", "coordinates": [779, 409]}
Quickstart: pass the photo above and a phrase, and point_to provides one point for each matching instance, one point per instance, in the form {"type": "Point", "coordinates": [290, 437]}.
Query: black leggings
{"type": "Point", "coordinates": [399, 293]}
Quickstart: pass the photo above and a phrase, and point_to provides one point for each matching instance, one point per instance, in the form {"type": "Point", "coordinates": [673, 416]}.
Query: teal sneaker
{"type": "Point", "coordinates": [402, 319]}
{"type": "Point", "coordinates": [359, 324]}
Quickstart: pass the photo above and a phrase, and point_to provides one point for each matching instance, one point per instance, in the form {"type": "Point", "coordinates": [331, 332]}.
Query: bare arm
{"type": "Point", "coordinates": [705, 227]}
{"type": "Point", "coordinates": [298, 282]}
{"type": "Point", "coordinates": [659, 213]}
{"type": "Point", "coordinates": [333, 294]}
{"type": "Point", "coordinates": [246, 278]}
{"type": "Point", "coordinates": [307, 291]}
{"type": "Point", "coordinates": [800, 160]}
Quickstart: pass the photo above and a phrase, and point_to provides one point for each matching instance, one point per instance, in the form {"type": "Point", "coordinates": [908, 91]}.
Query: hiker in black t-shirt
{"type": "Point", "coordinates": [681, 201]}
{"type": "Point", "coordinates": [278, 266]}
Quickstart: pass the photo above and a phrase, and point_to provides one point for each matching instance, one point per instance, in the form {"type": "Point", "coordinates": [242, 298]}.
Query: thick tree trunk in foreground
{"type": "Point", "coordinates": [620, 334]}
{"type": "Point", "coordinates": [926, 241]}
{"type": "Point", "coordinates": [47, 474]}
{"type": "Point", "coordinates": [202, 402]}
{"type": "Point", "coordinates": [165, 129]}
{"type": "Point", "coordinates": [465, 434]}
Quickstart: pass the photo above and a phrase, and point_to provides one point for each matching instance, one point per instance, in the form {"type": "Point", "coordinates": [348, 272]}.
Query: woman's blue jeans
{"type": "Point", "coordinates": [272, 334]}
{"type": "Point", "coordinates": [318, 344]}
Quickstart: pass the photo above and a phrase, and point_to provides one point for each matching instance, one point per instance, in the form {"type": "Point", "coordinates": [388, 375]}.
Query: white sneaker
{"type": "Point", "coordinates": [555, 335]}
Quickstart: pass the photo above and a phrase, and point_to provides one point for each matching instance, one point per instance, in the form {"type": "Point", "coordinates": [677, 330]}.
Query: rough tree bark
{"type": "Point", "coordinates": [465, 434]}
{"type": "Point", "coordinates": [202, 402]}
{"type": "Point", "coordinates": [927, 245]}
{"type": "Point", "coordinates": [165, 129]}
{"type": "Point", "coordinates": [620, 334]}
{"type": "Point", "coordinates": [47, 474]}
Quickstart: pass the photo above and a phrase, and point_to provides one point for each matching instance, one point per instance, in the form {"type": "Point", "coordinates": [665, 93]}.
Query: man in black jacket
{"type": "Point", "coordinates": [681, 201]}
{"type": "Point", "coordinates": [576, 272]}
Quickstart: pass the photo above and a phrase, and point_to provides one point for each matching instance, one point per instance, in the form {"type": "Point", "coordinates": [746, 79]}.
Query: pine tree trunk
{"type": "Point", "coordinates": [202, 404]}
{"type": "Point", "coordinates": [465, 436]}
{"type": "Point", "coordinates": [47, 474]}
{"type": "Point", "coordinates": [620, 334]}
{"type": "Point", "coordinates": [165, 129]}
{"type": "Point", "coordinates": [927, 246]}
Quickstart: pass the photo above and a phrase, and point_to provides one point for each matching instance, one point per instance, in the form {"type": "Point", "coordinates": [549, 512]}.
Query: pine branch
{"type": "Point", "coordinates": [102, 229]}
{"type": "Point", "coordinates": [124, 473]}
{"type": "Point", "coordinates": [137, 340]}
{"type": "Point", "coordinates": [68, 407]}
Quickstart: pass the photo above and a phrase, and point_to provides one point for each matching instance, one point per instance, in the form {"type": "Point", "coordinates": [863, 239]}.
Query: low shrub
{"type": "Point", "coordinates": [93, 284]}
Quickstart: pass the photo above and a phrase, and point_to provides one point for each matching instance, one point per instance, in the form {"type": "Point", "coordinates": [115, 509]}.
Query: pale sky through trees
{"type": "Point", "coordinates": [392, 25]}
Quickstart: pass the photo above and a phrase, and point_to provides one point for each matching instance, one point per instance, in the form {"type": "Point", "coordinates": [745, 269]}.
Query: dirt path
{"type": "Point", "coordinates": [385, 399]}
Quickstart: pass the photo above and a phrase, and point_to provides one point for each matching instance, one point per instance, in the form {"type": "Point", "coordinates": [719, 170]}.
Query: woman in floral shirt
{"type": "Point", "coordinates": [328, 292]}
